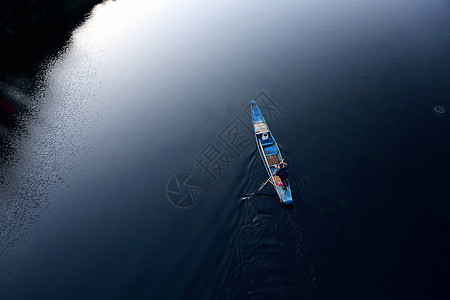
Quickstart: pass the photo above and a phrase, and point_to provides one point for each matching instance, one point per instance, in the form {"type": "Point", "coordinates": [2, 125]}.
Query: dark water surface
{"type": "Point", "coordinates": [125, 177]}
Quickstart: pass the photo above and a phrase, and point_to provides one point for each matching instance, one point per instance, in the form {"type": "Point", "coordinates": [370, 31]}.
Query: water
{"type": "Point", "coordinates": [144, 92]}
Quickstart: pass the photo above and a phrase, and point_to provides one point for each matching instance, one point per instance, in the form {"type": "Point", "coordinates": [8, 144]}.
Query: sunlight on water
{"type": "Point", "coordinates": [113, 19]}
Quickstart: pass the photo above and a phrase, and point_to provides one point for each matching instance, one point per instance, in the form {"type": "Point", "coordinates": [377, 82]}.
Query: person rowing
{"type": "Point", "coordinates": [282, 172]}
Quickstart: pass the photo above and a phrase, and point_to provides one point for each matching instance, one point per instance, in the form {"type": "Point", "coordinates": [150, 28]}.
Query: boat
{"type": "Point", "coordinates": [269, 152]}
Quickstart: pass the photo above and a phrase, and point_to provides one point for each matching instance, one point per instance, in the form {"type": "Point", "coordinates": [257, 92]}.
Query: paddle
{"type": "Point", "coordinates": [260, 188]}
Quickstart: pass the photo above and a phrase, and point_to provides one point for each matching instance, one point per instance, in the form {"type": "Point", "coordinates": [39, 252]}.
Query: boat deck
{"type": "Point", "coordinates": [276, 179]}
{"type": "Point", "coordinates": [272, 159]}
{"type": "Point", "coordinates": [261, 127]}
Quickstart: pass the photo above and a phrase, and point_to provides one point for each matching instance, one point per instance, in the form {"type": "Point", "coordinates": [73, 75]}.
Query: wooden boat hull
{"type": "Point", "coordinates": [269, 152]}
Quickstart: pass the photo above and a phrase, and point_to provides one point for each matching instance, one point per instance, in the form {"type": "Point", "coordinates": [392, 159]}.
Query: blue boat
{"type": "Point", "coordinates": [269, 152]}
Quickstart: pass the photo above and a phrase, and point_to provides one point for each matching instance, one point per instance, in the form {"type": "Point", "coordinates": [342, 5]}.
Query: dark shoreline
{"type": "Point", "coordinates": [17, 17]}
{"type": "Point", "coordinates": [31, 32]}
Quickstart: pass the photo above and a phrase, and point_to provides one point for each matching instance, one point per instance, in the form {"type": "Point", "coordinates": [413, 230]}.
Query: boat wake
{"type": "Point", "coordinates": [273, 261]}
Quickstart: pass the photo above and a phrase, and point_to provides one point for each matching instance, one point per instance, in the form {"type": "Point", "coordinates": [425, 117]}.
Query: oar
{"type": "Point", "coordinates": [260, 188]}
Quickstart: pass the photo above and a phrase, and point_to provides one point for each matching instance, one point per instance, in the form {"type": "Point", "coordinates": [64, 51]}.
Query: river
{"type": "Point", "coordinates": [127, 171]}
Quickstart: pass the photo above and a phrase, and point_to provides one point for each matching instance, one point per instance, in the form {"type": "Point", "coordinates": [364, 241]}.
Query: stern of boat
{"type": "Point", "coordinates": [285, 195]}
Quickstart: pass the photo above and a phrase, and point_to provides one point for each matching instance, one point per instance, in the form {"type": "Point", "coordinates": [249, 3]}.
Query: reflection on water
{"type": "Point", "coordinates": [32, 133]}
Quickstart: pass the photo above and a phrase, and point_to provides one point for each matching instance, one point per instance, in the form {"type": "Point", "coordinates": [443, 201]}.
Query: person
{"type": "Point", "coordinates": [282, 172]}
